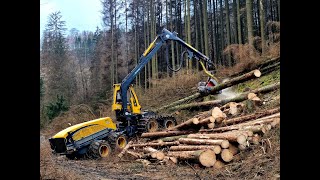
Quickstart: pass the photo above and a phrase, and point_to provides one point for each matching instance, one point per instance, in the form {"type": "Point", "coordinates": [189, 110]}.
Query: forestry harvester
{"type": "Point", "coordinates": [98, 138]}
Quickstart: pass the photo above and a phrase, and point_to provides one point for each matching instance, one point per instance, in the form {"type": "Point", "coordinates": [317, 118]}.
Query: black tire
{"type": "Point", "coordinates": [117, 140]}
{"type": "Point", "coordinates": [152, 125]}
{"type": "Point", "coordinates": [99, 149]}
{"type": "Point", "coordinates": [169, 122]}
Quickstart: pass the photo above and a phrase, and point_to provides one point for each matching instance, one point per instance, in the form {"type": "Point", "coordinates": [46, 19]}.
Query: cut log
{"type": "Point", "coordinates": [251, 95]}
{"type": "Point", "coordinates": [164, 134]}
{"type": "Point", "coordinates": [125, 149]}
{"type": "Point", "coordinates": [218, 115]}
{"type": "Point", "coordinates": [244, 126]}
{"type": "Point", "coordinates": [218, 165]}
{"type": "Point", "coordinates": [211, 125]}
{"type": "Point", "coordinates": [134, 154]}
{"type": "Point", "coordinates": [221, 142]}
{"type": "Point", "coordinates": [149, 150]}
{"type": "Point", "coordinates": [206, 158]}
{"type": "Point", "coordinates": [159, 155]}
{"type": "Point", "coordinates": [231, 82]}
{"type": "Point", "coordinates": [239, 98]}
{"type": "Point", "coordinates": [226, 155]}
{"type": "Point", "coordinates": [216, 149]}
{"type": "Point", "coordinates": [184, 124]}
{"type": "Point", "coordinates": [174, 160]}
{"type": "Point", "coordinates": [232, 136]}
{"type": "Point", "coordinates": [250, 116]}
{"type": "Point", "coordinates": [207, 120]}
{"type": "Point", "coordinates": [151, 144]}
{"type": "Point", "coordinates": [263, 66]}
{"type": "Point", "coordinates": [235, 108]}
{"type": "Point", "coordinates": [172, 138]}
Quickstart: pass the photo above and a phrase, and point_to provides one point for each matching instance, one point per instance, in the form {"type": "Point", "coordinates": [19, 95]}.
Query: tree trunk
{"type": "Point", "coordinates": [215, 149]}
{"type": "Point", "coordinates": [228, 30]}
{"type": "Point", "coordinates": [235, 25]}
{"type": "Point", "coordinates": [164, 134]}
{"type": "Point", "coordinates": [155, 144]}
{"type": "Point", "coordinates": [221, 32]}
{"type": "Point", "coordinates": [249, 21]}
{"type": "Point", "coordinates": [206, 158]}
{"type": "Point", "coordinates": [205, 27]}
{"type": "Point", "coordinates": [262, 19]}
{"type": "Point", "coordinates": [223, 143]}
{"type": "Point", "coordinates": [239, 22]}
{"type": "Point", "coordinates": [238, 98]}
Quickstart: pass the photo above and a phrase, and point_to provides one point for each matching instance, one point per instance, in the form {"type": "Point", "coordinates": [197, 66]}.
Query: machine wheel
{"type": "Point", "coordinates": [117, 140]}
{"type": "Point", "coordinates": [152, 125]}
{"type": "Point", "coordinates": [99, 149]}
{"type": "Point", "coordinates": [168, 123]}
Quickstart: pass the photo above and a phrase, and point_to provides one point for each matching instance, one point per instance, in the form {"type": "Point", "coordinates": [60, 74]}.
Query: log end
{"type": "Point", "coordinates": [241, 139]}
{"type": "Point", "coordinates": [225, 144]}
{"type": "Point", "coordinates": [207, 158]}
{"type": "Point", "coordinates": [217, 149]}
{"type": "Point", "coordinates": [257, 73]}
{"type": "Point", "coordinates": [195, 120]}
{"type": "Point", "coordinates": [218, 165]}
{"type": "Point", "coordinates": [226, 155]}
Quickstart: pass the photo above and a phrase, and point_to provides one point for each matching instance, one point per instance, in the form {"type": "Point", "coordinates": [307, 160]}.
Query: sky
{"type": "Point", "coordinates": [79, 14]}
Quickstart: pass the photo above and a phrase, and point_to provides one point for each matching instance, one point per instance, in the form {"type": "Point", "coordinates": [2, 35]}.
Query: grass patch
{"type": "Point", "coordinates": [265, 80]}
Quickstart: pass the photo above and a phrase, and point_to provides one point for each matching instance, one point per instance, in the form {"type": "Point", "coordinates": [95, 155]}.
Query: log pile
{"type": "Point", "coordinates": [195, 141]}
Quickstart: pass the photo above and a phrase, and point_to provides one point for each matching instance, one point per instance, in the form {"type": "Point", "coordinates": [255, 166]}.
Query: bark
{"type": "Point", "coordinates": [185, 124]}
{"type": "Point", "coordinates": [238, 98]}
{"type": "Point", "coordinates": [216, 149]}
{"type": "Point", "coordinates": [249, 21]}
{"type": "Point", "coordinates": [228, 30]}
{"type": "Point", "coordinates": [155, 144]}
{"type": "Point", "coordinates": [221, 142]}
{"type": "Point", "coordinates": [232, 137]}
{"type": "Point", "coordinates": [172, 138]}
{"type": "Point", "coordinates": [239, 22]}
{"type": "Point", "coordinates": [262, 19]}
{"type": "Point", "coordinates": [164, 134]}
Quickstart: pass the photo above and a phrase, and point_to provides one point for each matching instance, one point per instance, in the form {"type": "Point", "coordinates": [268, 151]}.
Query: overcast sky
{"type": "Point", "coordinates": [79, 14]}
